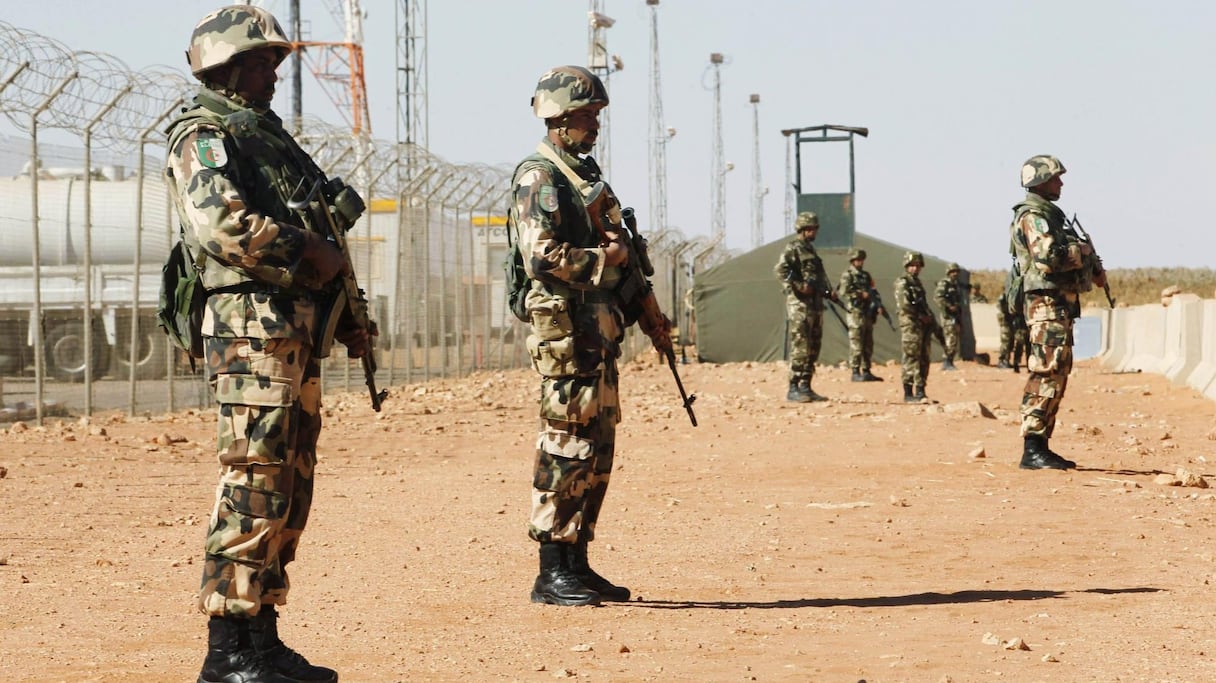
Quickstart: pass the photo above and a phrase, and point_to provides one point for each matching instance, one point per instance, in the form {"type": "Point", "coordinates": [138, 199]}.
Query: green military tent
{"type": "Point", "coordinates": [739, 309]}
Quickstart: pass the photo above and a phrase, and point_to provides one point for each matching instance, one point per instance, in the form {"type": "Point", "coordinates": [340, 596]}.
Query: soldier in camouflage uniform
{"type": "Point", "coordinates": [977, 297]}
{"type": "Point", "coordinates": [805, 284]}
{"type": "Point", "coordinates": [1056, 267]}
{"type": "Point", "coordinates": [577, 326]}
{"type": "Point", "coordinates": [949, 298]}
{"type": "Point", "coordinates": [856, 290]}
{"type": "Point", "coordinates": [1014, 341]}
{"type": "Point", "coordinates": [915, 328]}
{"type": "Point", "coordinates": [230, 168]}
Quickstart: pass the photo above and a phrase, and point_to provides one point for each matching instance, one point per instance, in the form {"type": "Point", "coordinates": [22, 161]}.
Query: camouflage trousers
{"type": "Point", "coordinates": [804, 335]}
{"type": "Point", "coordinates": [861, 340]}
{"type": "Point", "coordinates": [574, 453]}
{"type": "Point", "coordinates": [1049, 362]}
{"type": "Point", "coordinates": [952, 330]}
{"type": "Point", "coordinates": [1014, 342]}
{"type": "Point", "coordinates": [269, 395]}
{"type": "Point", "coordinates": [914, 343]}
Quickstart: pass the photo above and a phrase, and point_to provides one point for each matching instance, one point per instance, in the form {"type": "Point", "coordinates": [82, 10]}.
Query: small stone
{"type": "Point", "coordinates": [1015, 644]}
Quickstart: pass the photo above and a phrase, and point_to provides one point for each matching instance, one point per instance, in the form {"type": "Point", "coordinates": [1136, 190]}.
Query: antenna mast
{"type": "Point", "coordinates": [411, 83]}
{"type": "Point", "coordinates": [601, 65]}
{"type": "Point", "coordinates": [758, 189]}
{"type": "Point", "coordinates": [659, 134]}
{"type": "Point", "coordinates": [719, 169]}
{"type": "Point", "coordinates": [338, 67]}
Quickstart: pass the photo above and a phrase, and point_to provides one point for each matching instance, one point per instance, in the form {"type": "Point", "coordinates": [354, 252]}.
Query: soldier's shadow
{"type": "Point", "coordinates": [929, 598]}
{"type": "Point", "coordinates": [1121, 472]}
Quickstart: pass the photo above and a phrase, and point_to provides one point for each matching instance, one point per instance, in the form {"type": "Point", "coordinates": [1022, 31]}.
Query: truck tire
{"type": "Point", "coordinates": [65, 359]}
{"type": "Point", "coordinates": [149, 357]}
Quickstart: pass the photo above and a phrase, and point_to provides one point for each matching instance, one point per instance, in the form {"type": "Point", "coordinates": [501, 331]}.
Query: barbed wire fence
{"type": "Point", "coordinates": [84, 248]}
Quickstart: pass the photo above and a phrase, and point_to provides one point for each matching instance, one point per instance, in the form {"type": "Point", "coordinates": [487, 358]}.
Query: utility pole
{"type": "Point", "coordinates": [659, 134]}
{"type": "Point", "coordinates": [758, 189]}
{"type": "Point", "coordinates": [719, 167]}
{"type": "Point", "coordinates": [411, 83]}
{"type": "Point", "coordinates": [600, 64]}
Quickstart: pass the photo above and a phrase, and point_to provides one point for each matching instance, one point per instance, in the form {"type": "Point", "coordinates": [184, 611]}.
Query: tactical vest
{"type": "Point", "coordinates": [1034, 279]}
{"type": "Point", "coordinates": [263, 162]}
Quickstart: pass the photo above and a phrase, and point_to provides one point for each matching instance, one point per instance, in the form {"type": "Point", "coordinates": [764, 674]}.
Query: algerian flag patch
{"type": "Point", "coordinates": [547, 198]}
{"type": "Point", "coordinates": [211, 152]}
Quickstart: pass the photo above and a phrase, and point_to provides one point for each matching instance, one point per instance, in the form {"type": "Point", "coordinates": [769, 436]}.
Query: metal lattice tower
{"type": "Point", "coordinates": [338, 66]}
{"type": "Point", "coordinates": [411, 83]}
{"type": "Point", "coordinates": [659, 134]}
{"type": "Point", "coordinates": [600, 64]}
{"type": "Point", "coordinates": [758, 189]}
{"type": "Point", "coordinates": [718, 167]}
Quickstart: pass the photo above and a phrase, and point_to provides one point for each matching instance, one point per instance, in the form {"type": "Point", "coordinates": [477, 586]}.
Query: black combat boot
{"type": "Point", "coordinates": [582, 569]}
{"type": "Point", "coordinates": [231, 656]}
{"type": "Point", "coordinates": [908, 397]}
{"type": "Point", "coordinates": [857, 376]}
{"type": "Point", "coordinates": [1003, 364]}
{"type": "Point", "coordinates": [556, 584]}
{"type": "Point", "coordinates": [1036, 456]}
{"type": "Point", "coordinates": [1017, 359]}
{"type": "Point", "coordinates": [795, 394]}
{"type": "Point", "coordinates": [805, 387]}
{"type": "Point", "coordinates": [948, 365]}
{"type": "Point", "coordinates": [264, 631]}
{"type": "Point", "coordinates": [918, 393]}
{"type": "Point", "coordinates": [867, 376]}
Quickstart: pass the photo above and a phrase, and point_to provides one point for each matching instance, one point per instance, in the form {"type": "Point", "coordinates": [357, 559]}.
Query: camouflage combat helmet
{"type": "Point", "coordinates": [913, 258]}
{"type": "Point", "coordinates": [806, 219]}
{"type": "Point", "coordinates": [1040, 168]}
{"type": "Point", "coordinates": [952, 268]}
{"type": "Point", "coordinates": [857, 254]}
{"type": "Point", "coordinates": [230, 31]}
{"type": "Point", "coordinates": [563, 89]}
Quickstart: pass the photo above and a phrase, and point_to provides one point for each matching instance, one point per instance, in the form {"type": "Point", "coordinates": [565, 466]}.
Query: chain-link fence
{"type": "Point", "coordinates": [428, 252]}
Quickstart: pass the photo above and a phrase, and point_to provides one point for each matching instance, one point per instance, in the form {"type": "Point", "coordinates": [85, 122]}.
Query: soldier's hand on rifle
{"type": "Point", "coordinates": [357, 340]}
{"type": "Point", "coordinates": [325, 258]}
{"type": "Point", "coordinates": [1100, 279]}
{"type": "Point", "coordinates": [659, 332]}
{"type": "Point", "coordinates": [615, 252]}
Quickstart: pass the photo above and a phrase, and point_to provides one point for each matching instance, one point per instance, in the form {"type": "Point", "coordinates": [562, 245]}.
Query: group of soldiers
{"type": "Point", "coordinates": [808, 293]}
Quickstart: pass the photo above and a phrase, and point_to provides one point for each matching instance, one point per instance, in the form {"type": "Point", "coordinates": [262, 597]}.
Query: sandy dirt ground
{"type": "Point", "coordinates": [859, 539]}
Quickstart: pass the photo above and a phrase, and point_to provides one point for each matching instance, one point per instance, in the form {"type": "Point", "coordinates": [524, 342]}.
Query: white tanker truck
{"type": "Point", "coordinates": [124, 280]}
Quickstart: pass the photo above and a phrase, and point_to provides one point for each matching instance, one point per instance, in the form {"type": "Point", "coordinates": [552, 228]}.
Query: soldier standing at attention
{"type": "Point", "coordinates": [1056, 266]}
{"type": "Point", "coordinates": [977, 297]}
{"type": "Point", "coordinates": [805, 284]}
{"type": "Point", "coordinates": [915, 327]}
{"type": "Point", "coordinates": [856, 289]}
{"type": "Point", "coordinates": [949, 298]}
{"type": "Point", "coordinates": [232, 169]}
{"type": "Point", "coordinates": [577, 326]}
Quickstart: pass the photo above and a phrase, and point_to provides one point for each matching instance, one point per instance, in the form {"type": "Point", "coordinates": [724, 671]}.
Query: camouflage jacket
{"type": "Point", "coordinates": [800, 264]}
{"type": "Point", "coordinates": [1047, 252]}
{"type": "Point", "coordinates": [910, 298]}
{"type": "Point", "coordinates": [949, 298]}
{"type": "Point", "coordinates": [854, 290]}
{"type": "Point", "coordinates": [231, 170]}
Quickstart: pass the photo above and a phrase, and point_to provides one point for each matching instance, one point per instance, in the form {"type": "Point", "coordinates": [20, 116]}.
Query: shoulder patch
{"type": "Point", "coordinates": [210, 151]}
{"type": "Point", "coordinates": [547, 198]}
{"type": "Point", "coordinates": [1039, 224]}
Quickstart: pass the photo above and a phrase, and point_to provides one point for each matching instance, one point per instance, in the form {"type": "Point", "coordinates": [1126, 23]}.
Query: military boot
{"type": "Point", "coordinates": [582, 569]}
{"type": "Point", "coordinates": [908, 397]}
{"type": "Point", "coordinates": [948, 365]}
{"type": "Point", "coordinates": [1003, 364]}
{"type": "Point", "coordinates": [1036, 456]}
{"type": "Point", "coordinates": [918, 393]}
{"type": "Point", "coordinates": [264, 630]}
{"type": "Point", "coordinates": [556, 584]}
{"type": "Point", "coordinates": [805, 387]}
{"type": "Point", "coordinates": [867, 376]}
{"type": "Point", "coordinates": [857, 376]}
{"type": "Point", "coordinates": [795, 394]}
{"type": "Point", "coordinates": [232, 657]}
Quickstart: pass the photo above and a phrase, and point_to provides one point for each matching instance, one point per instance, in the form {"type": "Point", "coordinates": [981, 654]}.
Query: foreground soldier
{"type": "Point", "coordinates": [949, 298]}
{"type": "Point", "coordinates": [805, 283]}
{"type": "Point", "coordinates": [1055, 266]}
{"type": "Point", "coordinates": [856, 291]}
{"type": "Point", "coordinates": [915, 327]}
{"type": "Point", "coordinates": [576, 331]}
{"type": "Point", "coordinates": [231, 169]}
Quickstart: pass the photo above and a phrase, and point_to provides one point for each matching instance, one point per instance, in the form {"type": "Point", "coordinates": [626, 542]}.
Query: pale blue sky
{"type": "Point", "coordinates": [956, 95]}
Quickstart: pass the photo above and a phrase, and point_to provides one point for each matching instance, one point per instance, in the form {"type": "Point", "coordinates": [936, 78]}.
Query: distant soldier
{"type": "Point", "coordinates": [1014, 340]}
{"type": "Point", "coordinates": [857, 292]}
{"type": "Point", "coordinates": [915, 328]}
{"type": "Point", "coordinates": [805, 284]}
{"type": "Point", "coordinates": [1056, 265]}
{"type": "Point", "coordinates": [977, 297]}
{"type": "Point", "coordinates": [949, 298]}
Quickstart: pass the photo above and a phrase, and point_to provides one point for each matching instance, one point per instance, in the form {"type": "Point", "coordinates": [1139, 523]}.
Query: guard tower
{"type": "Point", "coordinates": [835, 210]}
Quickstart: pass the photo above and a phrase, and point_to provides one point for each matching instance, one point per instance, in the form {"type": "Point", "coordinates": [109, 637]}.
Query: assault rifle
{"type": "Point", "coordinates": [1075, 224]}
{"type": "Point", "coordinates": [828, 297]}
{"type": "Point", "coordinates": [875, 307]}
{"type": "Point", "coordinates": [635, 292]}
{"type": "Point", "coordinates": [928, 320]}
{"type": "Point", "coordinates": [339, 206]}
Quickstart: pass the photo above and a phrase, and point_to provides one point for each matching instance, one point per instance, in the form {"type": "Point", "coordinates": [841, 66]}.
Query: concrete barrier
{"type": "Point", "coordinates": [1087, 334]}
{"type": "Point", "coordinates": [1116, 351]}
{"type": "Point", "coordinates": [1203, 377]}
{"type": "Point", "coordinates": [1183, 337]}
{"type": "Point", "coordinates": [985, 327]}
{"type": "Point", "coordinates": [1146, 333]}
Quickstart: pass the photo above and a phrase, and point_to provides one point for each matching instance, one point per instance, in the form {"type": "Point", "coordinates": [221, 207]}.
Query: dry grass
{"type": "Point", "coordinates": [1129, 286]}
